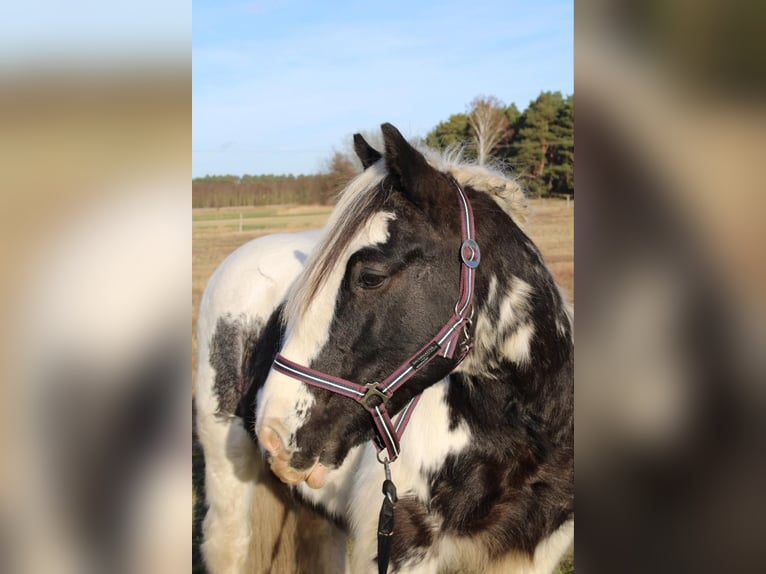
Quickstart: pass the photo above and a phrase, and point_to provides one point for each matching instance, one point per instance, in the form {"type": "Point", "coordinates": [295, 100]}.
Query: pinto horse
{"type": "Point", "coordinates": [420, 329]}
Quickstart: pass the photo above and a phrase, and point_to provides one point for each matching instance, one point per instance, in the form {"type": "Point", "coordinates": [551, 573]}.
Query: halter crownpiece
{"type": "Point", "coordinates": [375, 396]}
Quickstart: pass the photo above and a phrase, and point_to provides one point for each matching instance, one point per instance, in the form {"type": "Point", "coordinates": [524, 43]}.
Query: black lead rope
{"type": "Point", "coordinates": [386, 520]}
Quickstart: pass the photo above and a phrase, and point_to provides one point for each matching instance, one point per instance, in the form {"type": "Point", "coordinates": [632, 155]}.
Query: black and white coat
{"type": "Point", "coordinates": [485, 478]}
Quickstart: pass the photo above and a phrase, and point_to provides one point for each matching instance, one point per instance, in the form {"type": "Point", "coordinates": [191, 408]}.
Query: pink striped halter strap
{"type": "Point", "coordinates": [374, 396]}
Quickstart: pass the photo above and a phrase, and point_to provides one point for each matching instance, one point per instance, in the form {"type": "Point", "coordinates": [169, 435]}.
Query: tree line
{"type": "Point", "coordinates": [536, 145]}
{"type": "Point", "coordinates": [233, 190]}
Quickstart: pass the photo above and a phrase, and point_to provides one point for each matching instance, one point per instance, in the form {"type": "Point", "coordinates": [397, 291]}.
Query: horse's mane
{"type": "Point", "coordinates": [361, 198]}
{"type": "Point", "coordinates": [490, 179]}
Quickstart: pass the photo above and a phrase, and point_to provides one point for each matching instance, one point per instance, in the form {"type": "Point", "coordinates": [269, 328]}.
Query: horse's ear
{"type": "Point", "coordinates": [367, 154]}
{"type": "Point", "coordinates": [408, 165]}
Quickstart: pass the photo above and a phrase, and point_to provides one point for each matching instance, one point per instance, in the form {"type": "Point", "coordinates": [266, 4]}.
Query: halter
{"type": "Point", "coordinates": [374, 396]}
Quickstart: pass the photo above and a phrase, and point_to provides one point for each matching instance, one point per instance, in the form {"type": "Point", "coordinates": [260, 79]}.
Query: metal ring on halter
{"type": "Point", "coordinates": [373, 391]}
{"type": "Point", "coordinates": [385, 460]}
{"type": "Point", "coordinates": [473, 258]}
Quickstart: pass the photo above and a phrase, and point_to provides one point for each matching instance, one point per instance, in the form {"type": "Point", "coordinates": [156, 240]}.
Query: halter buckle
{"type": "Point", "coordinates": [373, 391]}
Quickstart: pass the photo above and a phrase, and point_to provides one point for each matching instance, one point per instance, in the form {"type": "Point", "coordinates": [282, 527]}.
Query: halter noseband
{"type": "Point", "coordinates": [375, 396]}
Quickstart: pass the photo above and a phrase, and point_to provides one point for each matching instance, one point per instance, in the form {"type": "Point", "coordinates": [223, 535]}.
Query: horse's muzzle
{"type": "Point", "coordinates": [279, 460]}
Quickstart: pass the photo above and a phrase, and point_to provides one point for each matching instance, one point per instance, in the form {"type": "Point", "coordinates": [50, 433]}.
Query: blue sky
{"type": "Point", "coordinates": [277, 85]}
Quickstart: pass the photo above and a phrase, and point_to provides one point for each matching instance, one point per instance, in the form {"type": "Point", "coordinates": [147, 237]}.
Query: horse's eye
{"type": "Point", "coordinates": [371, 280]}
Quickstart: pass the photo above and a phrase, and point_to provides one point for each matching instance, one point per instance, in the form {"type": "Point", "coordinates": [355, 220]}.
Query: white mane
{"type": "Point", "coordinates": [491, 180]}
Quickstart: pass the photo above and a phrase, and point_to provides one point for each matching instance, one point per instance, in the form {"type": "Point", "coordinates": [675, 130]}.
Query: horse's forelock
{"type": "Point", "coordinates": [357, 203]}
{"type": "Point", "coordinates": [363, 197]}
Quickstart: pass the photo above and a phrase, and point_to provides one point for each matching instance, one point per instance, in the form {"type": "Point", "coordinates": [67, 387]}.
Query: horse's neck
{"type": "Point", "coordinates": [506, 391]}
{"type": "Point", "coordinates": [520, 322]}
{"type": "Point", "coordinates": [523, 348]}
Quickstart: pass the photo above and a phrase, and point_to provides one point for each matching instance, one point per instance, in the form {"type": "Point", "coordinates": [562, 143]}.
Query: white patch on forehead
{"type": "Point", "coordinates": [516, 303]}
{"type": "Point", "coordinates": [286, 399]}
{"type": "Point", "coordinates": [308, 333]}
{"type": "Point", "coordinates": [516, 346]}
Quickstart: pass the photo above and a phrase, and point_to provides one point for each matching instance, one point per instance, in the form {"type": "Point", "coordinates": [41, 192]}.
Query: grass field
{"type": "Point", "coordinates": [216, 233]}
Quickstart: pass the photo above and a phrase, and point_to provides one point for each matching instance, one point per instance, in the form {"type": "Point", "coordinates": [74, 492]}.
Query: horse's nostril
{"type": "Point", "coordinates": [271, 441]}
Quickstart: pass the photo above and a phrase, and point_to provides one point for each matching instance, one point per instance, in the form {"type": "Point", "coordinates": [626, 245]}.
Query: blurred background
{"type": "Point", "coordinates": [95, 248]}
{"type": "Point", "coordinates": [669, 243]}
{"type": "Point", "coordinates": [95, 132]}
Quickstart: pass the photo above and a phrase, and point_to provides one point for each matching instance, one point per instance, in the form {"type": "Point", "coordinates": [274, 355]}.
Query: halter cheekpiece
{"type": "Point", "coordinates": [374, 396]}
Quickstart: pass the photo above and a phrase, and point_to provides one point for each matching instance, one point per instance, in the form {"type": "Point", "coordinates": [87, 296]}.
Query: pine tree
{"type": "Point", "coordinates": [455, 131]}
{"type": "Point", "coordinates": [535, 143]}
{"type": "Point", "coordinates": [505, 151]}
{"type": "Point", "coordinates": [562, 165]}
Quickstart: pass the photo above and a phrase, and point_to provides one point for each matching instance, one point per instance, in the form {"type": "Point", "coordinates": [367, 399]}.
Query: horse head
{"type": "Point", "coordinates": [381, 283]}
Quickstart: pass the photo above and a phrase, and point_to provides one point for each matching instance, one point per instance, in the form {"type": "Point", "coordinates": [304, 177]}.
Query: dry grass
{"type": "Point", "coordinates": [551, 227]}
